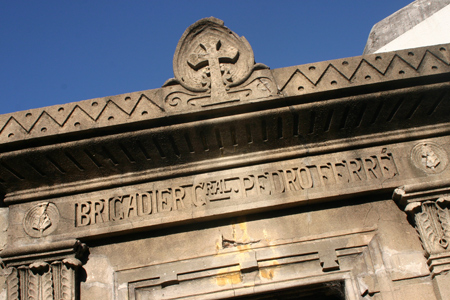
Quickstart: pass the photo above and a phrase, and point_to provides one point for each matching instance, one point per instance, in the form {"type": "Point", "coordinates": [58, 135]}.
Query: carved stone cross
{"type": "Point", "coordinates": [211, 54]}
{"type": "Point", "coordinates": [211, 63]}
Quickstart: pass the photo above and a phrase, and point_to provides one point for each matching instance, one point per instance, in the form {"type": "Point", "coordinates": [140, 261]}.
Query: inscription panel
{"type": "Point", "coordinates": [232, 192]}
{"type": "Point", "coordinates": [295, 178]}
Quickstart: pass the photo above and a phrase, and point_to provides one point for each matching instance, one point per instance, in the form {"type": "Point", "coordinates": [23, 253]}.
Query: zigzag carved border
{"type": "Point", "coordinates": [291, 81]}
{"type": "Point", "coordinates": [78, 116]}
{"type": "Point", "coordinates": [363, 70]}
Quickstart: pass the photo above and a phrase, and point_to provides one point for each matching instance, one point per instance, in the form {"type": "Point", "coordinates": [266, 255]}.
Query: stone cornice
{"type": "Point", "coordinates": [269, 115]}
{"type": "Point", "coordinates": [150, 108]}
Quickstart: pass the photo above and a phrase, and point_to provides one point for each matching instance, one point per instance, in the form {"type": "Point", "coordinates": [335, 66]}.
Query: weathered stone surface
{"type": "Point", "coordinates": [3, 227]}
{"type": "Point", "coordinates": [415, 25]}
{"type": "Point", "coordinates": [261, 234]}
{"type": "Point", "coordinates": [234, 180]}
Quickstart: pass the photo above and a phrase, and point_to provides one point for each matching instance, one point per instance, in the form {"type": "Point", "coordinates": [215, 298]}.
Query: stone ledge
{"type": "Point", "coordinates": [153, 107]}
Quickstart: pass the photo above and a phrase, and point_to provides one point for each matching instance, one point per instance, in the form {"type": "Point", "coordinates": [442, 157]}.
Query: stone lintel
{"type": "Point", "coordinates": [219, 194]}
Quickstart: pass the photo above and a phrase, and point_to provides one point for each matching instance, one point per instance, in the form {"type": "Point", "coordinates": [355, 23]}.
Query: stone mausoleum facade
{"type": "Point", "coordinates": [320, 181]}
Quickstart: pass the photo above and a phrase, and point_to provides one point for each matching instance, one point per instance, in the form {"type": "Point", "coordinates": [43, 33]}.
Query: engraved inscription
{"type": "Point", "coordinates": [205, 190]}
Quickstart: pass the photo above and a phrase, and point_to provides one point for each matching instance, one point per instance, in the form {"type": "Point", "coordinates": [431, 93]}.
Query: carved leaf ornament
{"type": "Point", "coordinates": [444, 217]}
{"type": "Point", "coordinates": [12, 282]}
{"type": "Point", "coordinates": [43, 281]}
{"type": "Point", "coordinates": [432, 219]}
{"type": "Point", "coordinates": [66, 283]}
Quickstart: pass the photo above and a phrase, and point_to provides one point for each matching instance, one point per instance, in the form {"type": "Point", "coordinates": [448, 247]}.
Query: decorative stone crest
{"type": "Point", "coordinates": [209, 56]}
{"type": "Point", "coordinates": [429, 157]}
{"type": "Point", "coordinates": [210, 60]}
{"type": "Point", "coordinates": [41, 220]}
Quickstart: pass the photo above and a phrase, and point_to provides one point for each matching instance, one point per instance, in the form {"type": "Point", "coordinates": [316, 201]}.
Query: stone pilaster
{"type": "Point", "coordinates": [427, 206]}
{"type": "Point", "coordinates": [51, 274]}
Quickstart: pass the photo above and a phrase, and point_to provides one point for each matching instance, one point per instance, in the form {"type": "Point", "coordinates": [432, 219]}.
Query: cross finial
{"type": "Point", "coordinates": [211, 58]}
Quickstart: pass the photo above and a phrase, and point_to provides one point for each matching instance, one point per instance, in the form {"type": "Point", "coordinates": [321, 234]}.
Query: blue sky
{"type": "Point", "coordinates": [59, 51]}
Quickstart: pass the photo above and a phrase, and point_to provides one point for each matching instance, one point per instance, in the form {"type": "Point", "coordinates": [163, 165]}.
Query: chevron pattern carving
{"type": "Point", "coordinates": [363, 70]}
{"type": "Point", "coordinates": [78, 116]}
{"type": "Point", "coordinates": [291, 81]}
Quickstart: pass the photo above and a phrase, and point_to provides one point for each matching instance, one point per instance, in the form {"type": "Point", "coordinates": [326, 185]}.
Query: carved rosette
{"type": "Point", "coordinates": [45, 279]}
{"type": "Point", "coordinates": [432, 221]}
